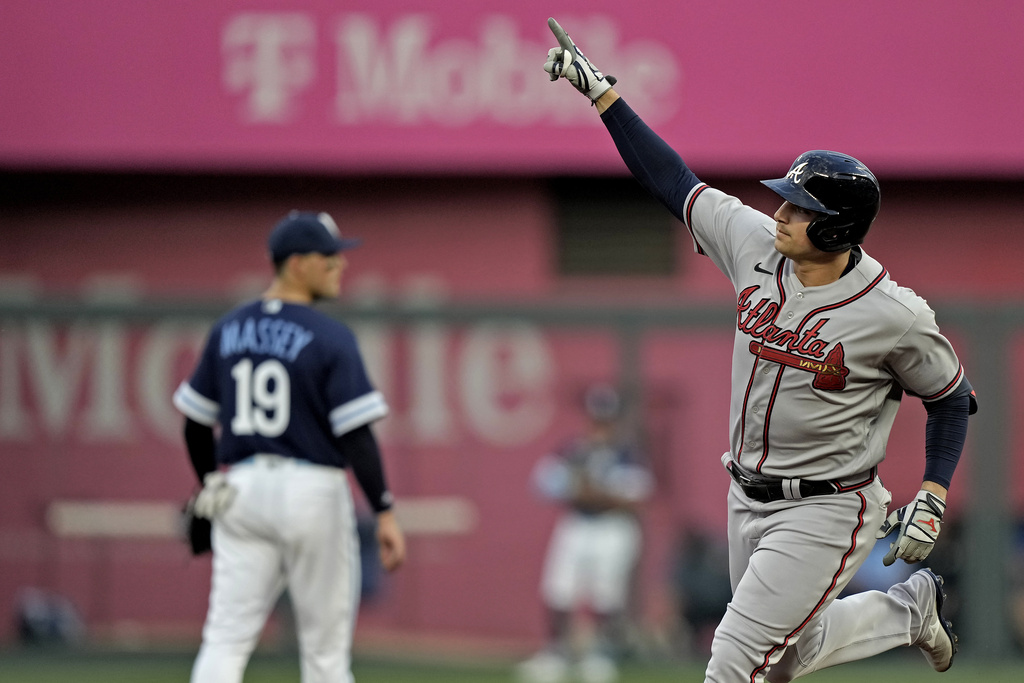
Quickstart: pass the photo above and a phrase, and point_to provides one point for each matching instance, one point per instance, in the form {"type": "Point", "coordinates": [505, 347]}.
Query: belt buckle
{"type": "Point", "coordinates": [740, 476]}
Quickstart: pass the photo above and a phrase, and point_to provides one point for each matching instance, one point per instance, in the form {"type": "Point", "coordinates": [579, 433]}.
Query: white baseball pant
{"type": "Point", "coordinates": [590, 559]}
{"type": "Point", "coordinates": [292, 524]}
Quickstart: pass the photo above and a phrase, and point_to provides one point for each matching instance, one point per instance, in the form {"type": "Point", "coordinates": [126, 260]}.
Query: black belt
{"type": "Point", "coordinates": [763, 488]}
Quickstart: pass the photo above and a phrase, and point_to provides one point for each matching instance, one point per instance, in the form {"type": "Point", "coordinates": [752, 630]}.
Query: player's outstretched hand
{"type": "Point", "coordinates": [216, 496]}
{"type": "Point", "coordinates": [566, 61]}
{"type": "Point", "coordinates": [918, 523]}
{"type": "Point", "coordinates": [391, 541]}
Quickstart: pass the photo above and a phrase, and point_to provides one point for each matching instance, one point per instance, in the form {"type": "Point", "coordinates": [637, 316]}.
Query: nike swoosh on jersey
{"type": "Point", "coordinates": [759, 269]}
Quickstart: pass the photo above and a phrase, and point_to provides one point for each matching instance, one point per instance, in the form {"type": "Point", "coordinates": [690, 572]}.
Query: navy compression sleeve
{"type": "Point", "coordinates": [362, 453]}
{"type": "Point", "coordinates": [945, 433]}
{"type": "Point", "coordinates": [653, 163]}
{"type": "Point", "coordinates": [202, 448]}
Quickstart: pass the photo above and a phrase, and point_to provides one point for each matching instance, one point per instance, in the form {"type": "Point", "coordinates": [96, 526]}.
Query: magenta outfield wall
{"type": "Point", "coordinates": [85, 412]}
{"type": "Point", "coordinates": [913, 88]}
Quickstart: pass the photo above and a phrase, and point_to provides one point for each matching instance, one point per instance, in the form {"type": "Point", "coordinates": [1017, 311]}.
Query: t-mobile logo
{"type": "Point", "coordinates": [271, 57]}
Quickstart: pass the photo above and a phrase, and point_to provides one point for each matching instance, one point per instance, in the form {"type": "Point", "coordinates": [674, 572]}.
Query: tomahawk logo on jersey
{"type": "Point", "coordinates": [269, 372]}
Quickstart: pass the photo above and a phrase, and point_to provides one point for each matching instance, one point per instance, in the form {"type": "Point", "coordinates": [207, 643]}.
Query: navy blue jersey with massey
{"type": "Point", "coordinates": [280, 378]}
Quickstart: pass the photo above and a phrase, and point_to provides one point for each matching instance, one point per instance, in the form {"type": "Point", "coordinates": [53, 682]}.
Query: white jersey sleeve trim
{"type": "Point", "coordinates": [196, 406]}
{"type": "Point", "coordinates": [358, 412]}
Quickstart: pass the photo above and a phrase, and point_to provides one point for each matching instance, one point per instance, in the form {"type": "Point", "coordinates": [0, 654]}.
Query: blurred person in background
{"type": "Point", "coordinates": [47, 619]}
{"type": "Point", "coordinates": [287, 389]}
{"type": "Point", "coordinates": [1017, 584]}
{"type": "Point", "coordinates": [601, 481]}
{"type": "Point", "coordinates": [700, 584]}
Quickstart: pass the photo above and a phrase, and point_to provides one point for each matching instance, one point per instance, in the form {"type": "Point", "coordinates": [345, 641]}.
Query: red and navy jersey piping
{"type": "Point", "coordinates": [799, 328]}
{"type": "Point", "coordinates": [948, 388]}
{"type": "Point", "coordinates": [688, 215]}
{"type": "Point", "coordinates": [845, 302]}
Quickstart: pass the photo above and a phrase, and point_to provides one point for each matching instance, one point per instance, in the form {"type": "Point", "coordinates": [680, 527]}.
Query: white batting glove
{"type": "Point", "coordinates": [566, 61]}
{"type": "Point", "coordinates": [918, 524]}
{"type": "Point", "coordinates": [216, 496]}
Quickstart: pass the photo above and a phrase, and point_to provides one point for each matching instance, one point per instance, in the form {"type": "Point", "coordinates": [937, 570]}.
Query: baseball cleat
{"type": "Point", "coordinates": [595, 668]}
{"type": "Point", "coordinates": [937, 641]}
{"type": "Point", "coordinates": [544, 667]}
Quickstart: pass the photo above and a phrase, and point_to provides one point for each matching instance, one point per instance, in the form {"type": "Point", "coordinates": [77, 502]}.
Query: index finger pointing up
{"type": "Point", "coordinates": [560, 34]}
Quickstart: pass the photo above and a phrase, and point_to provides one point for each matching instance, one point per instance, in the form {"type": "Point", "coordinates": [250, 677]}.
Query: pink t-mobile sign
{"type": "Point", "coordinates": [287, 84]}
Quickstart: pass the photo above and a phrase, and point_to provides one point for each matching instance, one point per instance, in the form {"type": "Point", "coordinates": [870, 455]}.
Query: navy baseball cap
{"type": "Point", "coordinates": [602, 403]}
{"type": "Point", "coordinates": [306, 232]}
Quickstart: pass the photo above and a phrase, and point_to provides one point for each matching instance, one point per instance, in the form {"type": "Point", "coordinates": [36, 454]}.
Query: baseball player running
{"type": "Point", "coordinates": [287, 387]}
{"type": "Point", "coordinates": [826, 344]}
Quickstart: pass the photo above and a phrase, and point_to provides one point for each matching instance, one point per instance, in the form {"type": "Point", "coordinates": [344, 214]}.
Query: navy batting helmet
{"type": "Point", "coordinates": [838, 186]}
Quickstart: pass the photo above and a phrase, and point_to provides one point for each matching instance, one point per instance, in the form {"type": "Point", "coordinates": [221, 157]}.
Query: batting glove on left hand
{"type": "Point", "coordinates": [918, 523]}
{"type": "Point", "coordinates": [566, 61]}
{"type": "Point", "coordinates": [216, 496]}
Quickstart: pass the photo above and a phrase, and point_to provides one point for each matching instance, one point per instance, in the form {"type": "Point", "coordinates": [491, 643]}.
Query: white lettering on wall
{"type": "Point", "coordinates": [400, 72]}
{"type": "Point", "coordinates": [55, 375]}
{"type": "Point", "coordinates": [13, 415]}
{"type": "Point", "coordinates": [271, 57]}
{"type": "Point", "coordinates": [107, 416]}
{"type": "Point", "coordinates": [75, 382]}
{"type": "Point", "coordinates": [377, 74]}
{"type": "Point", "coordinates": [430, 410]}
{"type": "Point", "coordinates": [81, 382]}
{"type": "Point", "coordinates": [376, 345]}
{"type": "Point", "coordinates": [506, 376]}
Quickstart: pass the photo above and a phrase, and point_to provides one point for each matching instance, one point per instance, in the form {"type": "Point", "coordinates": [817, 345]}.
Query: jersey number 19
{"type": "Point", "coordinates": [262, 398]}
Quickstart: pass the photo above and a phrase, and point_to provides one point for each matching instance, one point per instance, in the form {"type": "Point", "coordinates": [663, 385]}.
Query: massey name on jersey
{"type": "Point", "coordinates": [264, 336]}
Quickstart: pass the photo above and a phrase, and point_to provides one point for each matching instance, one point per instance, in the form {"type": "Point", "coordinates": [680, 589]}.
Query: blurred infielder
{"type": "Point", "coordinates": [826, 344]}
{"type": "Point", "coordinates": [600, 480]}
{"type": "Point", "coordinates": [287, 387]}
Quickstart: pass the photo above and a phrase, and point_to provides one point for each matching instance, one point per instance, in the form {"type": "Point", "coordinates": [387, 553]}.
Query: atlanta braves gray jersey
{"type": "Point", "coordinates": [817, 372]}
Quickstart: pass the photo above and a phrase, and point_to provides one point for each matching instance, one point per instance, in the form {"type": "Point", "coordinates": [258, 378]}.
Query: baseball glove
{"type": "Point", "coordinates": [197, 529]}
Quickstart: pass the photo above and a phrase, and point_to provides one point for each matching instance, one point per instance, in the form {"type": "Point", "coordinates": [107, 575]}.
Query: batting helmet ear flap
{"type": "Point", "coordinates": [838, 186]}
{"type": "Point", "coordinates": [829, 233]}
